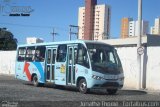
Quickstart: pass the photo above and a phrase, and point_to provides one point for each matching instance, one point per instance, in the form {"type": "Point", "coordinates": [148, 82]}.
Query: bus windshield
{"type": "Point", "coordinates": [103, 58]}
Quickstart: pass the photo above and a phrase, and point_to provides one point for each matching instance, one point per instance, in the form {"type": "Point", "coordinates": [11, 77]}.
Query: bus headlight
{"type": "Point", "coordinates": [97, 77]}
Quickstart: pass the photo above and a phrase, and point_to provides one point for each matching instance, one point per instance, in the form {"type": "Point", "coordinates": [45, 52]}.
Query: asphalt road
{"type": "Point", "coordinates": [19, 93]}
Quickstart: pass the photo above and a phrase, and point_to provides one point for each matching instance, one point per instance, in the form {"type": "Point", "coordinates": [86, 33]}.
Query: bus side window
{"type": "Point", "coordinates": [21, 54]}
{"type": "Point", "coordinates": [30, 54]}
{"type": "Point", "coordinates": [61, 55]}
{"type": "Point", "coordinates": [82, 56]}
{"type": "Point", "coordinates": [40, 53]}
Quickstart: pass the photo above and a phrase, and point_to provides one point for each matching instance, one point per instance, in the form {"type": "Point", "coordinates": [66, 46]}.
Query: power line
{"type": "Point", "coordinates": [35, 26]}
{"type": "Point", "coordinates": [22, 25]}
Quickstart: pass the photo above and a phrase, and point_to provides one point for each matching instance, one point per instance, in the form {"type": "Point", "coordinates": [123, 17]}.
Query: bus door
{"type": "Point", "coordinates": [50, 64]}
{"type": "Point", "coordinates": [61, 65]}
{"type": "Point", "coordinates": [72, 54]}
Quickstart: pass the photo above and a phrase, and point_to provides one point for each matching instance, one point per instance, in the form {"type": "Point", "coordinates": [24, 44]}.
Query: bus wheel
{"type": "Point", "coordinates": [82, 86]}
{"type": "Point", "coordinates": [111, 91]}
{"type": "Point", "coordinates": [35, 81]}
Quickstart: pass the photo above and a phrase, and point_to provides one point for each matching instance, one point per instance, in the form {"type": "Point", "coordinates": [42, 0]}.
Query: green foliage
{"type": "Point", "coordinates": [7, 40]}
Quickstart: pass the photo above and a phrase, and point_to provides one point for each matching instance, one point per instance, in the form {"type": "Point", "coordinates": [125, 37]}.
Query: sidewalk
{"type": "Point", "coordinates": [154, 92]}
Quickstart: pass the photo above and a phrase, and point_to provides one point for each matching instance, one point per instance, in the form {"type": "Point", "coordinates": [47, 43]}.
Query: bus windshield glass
{"type": "Point", "coordinates": [103, 58]}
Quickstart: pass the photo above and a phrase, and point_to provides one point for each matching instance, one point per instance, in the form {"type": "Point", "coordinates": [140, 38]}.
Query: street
{"type": "Point", "coordinates": [19, 93]}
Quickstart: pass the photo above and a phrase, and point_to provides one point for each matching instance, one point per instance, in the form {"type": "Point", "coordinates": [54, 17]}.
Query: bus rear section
{"type": "Point", "coordinates": [30, 64]}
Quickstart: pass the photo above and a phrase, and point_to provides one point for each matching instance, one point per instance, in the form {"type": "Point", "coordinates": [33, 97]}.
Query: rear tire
{"type": "Point", "coordinates": [112, 91]}
{"type": "Point", "coordinates": [35, 81]}
{"type": "Point", "coordinates": [82, 86]}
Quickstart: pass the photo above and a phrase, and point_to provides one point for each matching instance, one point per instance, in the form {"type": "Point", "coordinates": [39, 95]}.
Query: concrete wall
{"type": "Point", "coordinates": [7, 62]}
{"type": "Point", "coordinates": [150, 67]}
{"type": "Point", "coordinates": [153, 68]}
{"type": "Point", "coordinates": [128, 56]}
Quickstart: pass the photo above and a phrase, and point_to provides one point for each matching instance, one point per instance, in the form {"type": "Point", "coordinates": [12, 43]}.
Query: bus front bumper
{"type": "Point", "coordinates": [109, 85]}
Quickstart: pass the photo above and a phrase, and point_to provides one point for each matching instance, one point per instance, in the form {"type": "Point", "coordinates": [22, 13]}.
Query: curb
{"type": "Point", "coordinates": [153, 92]}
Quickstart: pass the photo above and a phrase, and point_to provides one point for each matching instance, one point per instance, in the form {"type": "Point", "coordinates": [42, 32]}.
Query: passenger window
{"type": "Point", "coordinates": [40, 53]}
{"type": "Point", "coordinates": [30, 54]}
{"type": "Point", "coordinates": [61, 55]}
{"type": "Point", "coordinates": [82, 56]}
{"type": "Point", "coordinates": [21, 54]}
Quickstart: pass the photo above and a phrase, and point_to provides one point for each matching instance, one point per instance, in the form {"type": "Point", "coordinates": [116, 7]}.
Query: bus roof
{"type": "Point", "coordinates": [63, 42]}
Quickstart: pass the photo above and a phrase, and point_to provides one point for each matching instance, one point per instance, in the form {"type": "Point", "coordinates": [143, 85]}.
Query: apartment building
{"type": "Point", "coordinates": [94, 21]}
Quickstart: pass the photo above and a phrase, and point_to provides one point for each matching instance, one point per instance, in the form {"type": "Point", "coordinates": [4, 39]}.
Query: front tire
{"type": "Point", "coordinates": [35, 81]}
{"type": "Point", "coordinates": [82, 86]}
{"type": "Point", "coordinates": [112, 91]}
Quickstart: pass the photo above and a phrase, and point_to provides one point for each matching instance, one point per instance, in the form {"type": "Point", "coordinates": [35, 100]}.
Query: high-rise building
{"type": "Point", "coordinates": [89, 18]}
{"type": "Point", "coordinates": [94, 21]}
{"type": "Point", "coordinates": [125, 27]}
{"type": "Point", "coordinates": [133, 28]}
{"type": "Point", "coordinates": [129, 28]}
{"type": "Point", "coordinates": [156, 28]}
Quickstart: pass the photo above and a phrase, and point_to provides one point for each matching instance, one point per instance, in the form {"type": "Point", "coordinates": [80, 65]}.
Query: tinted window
{"type": "Point", "coordinates": [21, 54]}
{"type": "Point", "coordinates": [103, 58]}
{"type": "Point", "coordinates": [49, 56]}
{"type": "Point", "coordinates": [82, 56]}
{"type": "Point", "coordinates": [30, 54]}
{"type": "Point", "coordinates": [40, 53]}
{"type": "Point", "coordinates": [61, 55]}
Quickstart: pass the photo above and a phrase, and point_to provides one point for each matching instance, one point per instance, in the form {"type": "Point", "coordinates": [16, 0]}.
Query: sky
{"type": "Point", "coordinates": [59, 14]}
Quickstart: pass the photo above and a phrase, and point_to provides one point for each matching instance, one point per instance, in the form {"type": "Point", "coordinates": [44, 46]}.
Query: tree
{"type": "Point", "coordinates": [7, 40]}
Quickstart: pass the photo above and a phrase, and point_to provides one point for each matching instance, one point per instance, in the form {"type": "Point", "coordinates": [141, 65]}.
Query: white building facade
{"type": "Point", "coordinates": [32, 40]}
{"type": "Point", "coordinates": [133, 28]}
{"type": "Point", "coordinates": [102, 16]}
{"type": "Point", "coordinates": [156, 28]}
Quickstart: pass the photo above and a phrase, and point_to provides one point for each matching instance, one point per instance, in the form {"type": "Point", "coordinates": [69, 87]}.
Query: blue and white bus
{"type": "Point", "coordinates": [82, 64]}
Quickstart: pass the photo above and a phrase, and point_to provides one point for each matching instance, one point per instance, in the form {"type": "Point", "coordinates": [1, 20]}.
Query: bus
{"type": "Point", "coordinates": [78, 63]}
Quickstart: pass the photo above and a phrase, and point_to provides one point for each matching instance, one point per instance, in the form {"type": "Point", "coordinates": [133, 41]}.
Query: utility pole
{"type": "Point", "coordinates": [54, 34]}
{"type": "Point", "coordinates": [139, 40]}
{"type": "Point", "coordinates": [70, 31]}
